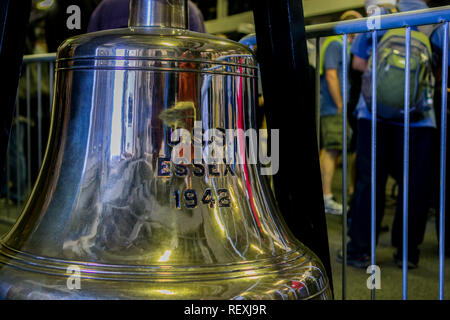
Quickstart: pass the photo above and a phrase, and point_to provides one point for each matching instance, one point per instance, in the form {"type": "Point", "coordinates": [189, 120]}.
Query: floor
{"type": "Point", "coordinates": [422, 282]}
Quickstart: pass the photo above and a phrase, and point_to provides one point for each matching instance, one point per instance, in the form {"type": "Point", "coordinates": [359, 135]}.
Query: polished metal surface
{"type": "Point", "coordinates": [110, 203]}
{"type": "Point", "coordinates": [159, 13]}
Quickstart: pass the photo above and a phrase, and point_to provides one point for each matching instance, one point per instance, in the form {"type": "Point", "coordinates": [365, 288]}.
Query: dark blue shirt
{"type": "Point", "coordinates": [332, 60]}
{"type": "Point", "coordinates": [437, 40]}
{"type": "Point", "coordinates": [113, 14]}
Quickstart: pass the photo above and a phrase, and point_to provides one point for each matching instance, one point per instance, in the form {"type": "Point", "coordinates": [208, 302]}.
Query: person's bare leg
{"type": "Point", "coordinates": [327, 165]}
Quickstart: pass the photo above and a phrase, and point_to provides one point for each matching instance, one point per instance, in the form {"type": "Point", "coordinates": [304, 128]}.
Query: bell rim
{"type": "Point", "coordinates": [299, 258]}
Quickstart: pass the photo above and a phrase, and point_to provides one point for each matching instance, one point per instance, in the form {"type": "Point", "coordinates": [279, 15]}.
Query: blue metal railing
{"type": "Point", "coordinates": [393, 21]}
{"type": "Point", "coordinates": [373, 164]}
{"type": "Point", "coordinates": [406, 162]}
{"type": "Point", "coordinates": [32, 92]}
{"type": "Point", "coordinates": [443, 161]}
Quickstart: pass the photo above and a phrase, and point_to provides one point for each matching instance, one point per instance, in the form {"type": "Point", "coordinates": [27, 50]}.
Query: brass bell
{"type": "Point", "coordinates": [113, 216]}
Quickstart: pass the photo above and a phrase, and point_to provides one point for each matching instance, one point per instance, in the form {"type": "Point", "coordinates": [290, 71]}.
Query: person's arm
{"type": "Point", "coordinates": [333, 63]}
{"type": "Point", "coordinates": [359, 64]}
{"type": "Point", "coordinates": [332, 78]}
{"type": "Point", "coordinates": [361, 51]}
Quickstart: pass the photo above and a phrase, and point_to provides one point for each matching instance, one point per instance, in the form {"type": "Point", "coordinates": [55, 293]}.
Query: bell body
{"type": "Point", "coordinates": [113, 217]}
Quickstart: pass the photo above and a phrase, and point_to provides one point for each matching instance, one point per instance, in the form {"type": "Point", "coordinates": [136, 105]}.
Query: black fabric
{"type": "Point", "coordinates": [14, 17]}
{"type": "Point", "coordinates": [56, 30]}
{"type": "Point", "coordinates": [390, 162]}
{"type": "Point", "coordinates": [437, 3]}
{"type": "Point", "coordinates": [283, 58]}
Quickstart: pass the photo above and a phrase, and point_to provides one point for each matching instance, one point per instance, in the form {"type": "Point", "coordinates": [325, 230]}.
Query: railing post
{"type": "Point", "coordinates": [406, 162]}
{"type": "Point", "coordinates": [443, 160]}
{"type": "Point", "coordinates": [374, 155]}
{"type": "Point", "coordinates": [344, 164]}
{"type": "Point", "coordinates": [39, 112]}
{"type": "Point", "coordinates": [17, 143]}
{"type": "Point", "coordinates": [317, 91]}
{"type": "Point", "coordinates": [28, 127]}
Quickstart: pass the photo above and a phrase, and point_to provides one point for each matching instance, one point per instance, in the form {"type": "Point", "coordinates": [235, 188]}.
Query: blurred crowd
{"type": "Point", "coordinates": [424, 127]}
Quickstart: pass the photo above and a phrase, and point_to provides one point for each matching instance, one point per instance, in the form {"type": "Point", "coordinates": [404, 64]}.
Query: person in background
{"type": "Point", "coordinates": [331, 106]}
{"type": "Point", "coordinates": [437, 43]}
{"type": "Point", "coordinates": [112, 14]}
{"type": "Point", "coordinates": [389, 160]}
{"type": "Point", "coordinates": [355, 79]}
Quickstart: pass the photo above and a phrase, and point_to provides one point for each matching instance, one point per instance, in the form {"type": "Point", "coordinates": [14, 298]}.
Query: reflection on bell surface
{"type": "Point", "coordinates": [113, 217]}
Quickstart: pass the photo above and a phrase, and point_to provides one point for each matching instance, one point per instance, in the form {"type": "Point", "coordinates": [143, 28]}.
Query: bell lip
{"type": "Point", "coordinates": [298, 258]}
{"type": "Point", "coordinates": [301, 279]}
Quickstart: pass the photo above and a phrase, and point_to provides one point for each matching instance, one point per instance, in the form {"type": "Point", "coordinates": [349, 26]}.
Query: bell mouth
{"type": "Point", "coordinates": [154, 272]}
{"type": "Point", "coordinates": [298, 270]}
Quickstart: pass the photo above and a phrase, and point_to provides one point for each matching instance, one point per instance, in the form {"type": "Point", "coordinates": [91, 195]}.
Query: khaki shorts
{"type": "Point", "coordinates": [331, 129]}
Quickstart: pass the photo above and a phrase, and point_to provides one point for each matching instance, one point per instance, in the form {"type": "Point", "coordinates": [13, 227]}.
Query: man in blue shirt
{"type": "Point", "coordinates": [331, 106]}
{"type": "Point", "coordinates": [112, 14]}
{"type": "Point", "coordinates": [389, 161]}
{"type": "Point", "coordinates": [437, 41]}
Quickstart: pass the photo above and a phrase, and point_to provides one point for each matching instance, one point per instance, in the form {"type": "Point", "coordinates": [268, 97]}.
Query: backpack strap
{"type": "Point", "coordinates": [414, 34]}
{"type": "Point", "coordinates": [428, 30]}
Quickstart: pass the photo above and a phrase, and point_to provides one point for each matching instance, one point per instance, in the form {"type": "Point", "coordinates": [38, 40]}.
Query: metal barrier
{"type": "Point", "coordinates": [406, 20]}
{"type": "Point", "coordinates": [29, 117]}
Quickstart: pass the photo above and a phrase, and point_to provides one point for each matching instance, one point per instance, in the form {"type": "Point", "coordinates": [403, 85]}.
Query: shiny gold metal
{"type": "Point", "coordinates": [112, 217]}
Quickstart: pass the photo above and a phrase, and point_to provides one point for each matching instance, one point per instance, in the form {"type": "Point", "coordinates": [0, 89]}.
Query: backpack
{"type": "Point", "coordinates": [390, 75]}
